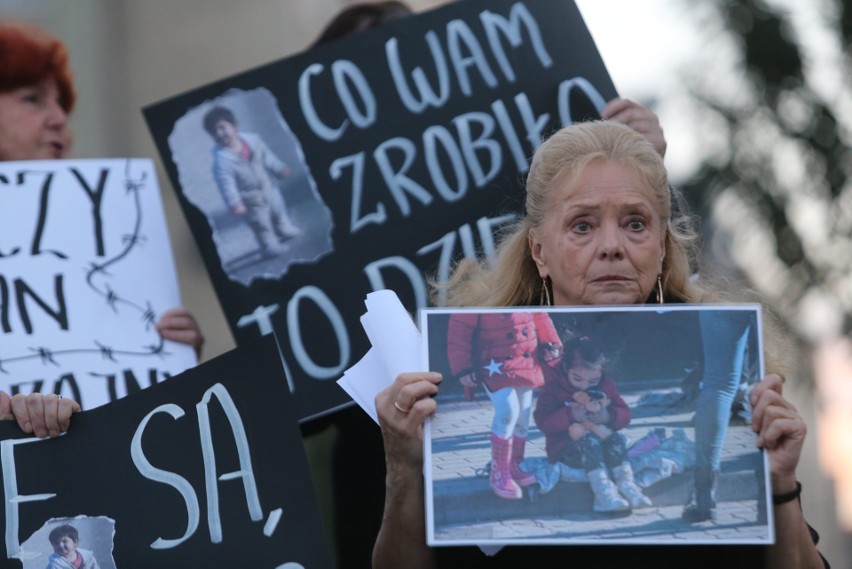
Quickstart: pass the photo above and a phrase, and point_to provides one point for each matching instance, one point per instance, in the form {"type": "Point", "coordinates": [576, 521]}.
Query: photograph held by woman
{"type": "Point", "coordinates": [597, 230]}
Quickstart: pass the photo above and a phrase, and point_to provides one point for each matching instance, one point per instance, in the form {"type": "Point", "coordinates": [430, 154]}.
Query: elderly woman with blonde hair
{"type": "Point", "coordinates": [597, 231]}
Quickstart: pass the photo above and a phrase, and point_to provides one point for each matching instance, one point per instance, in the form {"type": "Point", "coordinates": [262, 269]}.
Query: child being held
{"type": "Point", "coordinates": [580, 412]}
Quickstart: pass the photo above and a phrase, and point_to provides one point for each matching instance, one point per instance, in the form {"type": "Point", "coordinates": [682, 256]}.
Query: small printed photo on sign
{"type": "Point", "coordinates": [595, 426]}
{"type": "Point", "coordinates": [242, 166]}
{"type": "Point", "coordinates": [62, 543]}
{"type": "Point", "coordinates": [191, 472]}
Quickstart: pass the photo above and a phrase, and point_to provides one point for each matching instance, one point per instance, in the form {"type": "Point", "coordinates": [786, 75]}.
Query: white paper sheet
{"type": "Point", "coordinates": [395, 349]}
{"type": "Point", "coordinates": [395, 342]}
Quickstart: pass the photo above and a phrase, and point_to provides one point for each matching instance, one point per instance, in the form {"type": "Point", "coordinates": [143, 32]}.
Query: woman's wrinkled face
{"type": "Point", "coordinates": [602, 240]}
{"type": "Point", "coordinates": [33, 125]}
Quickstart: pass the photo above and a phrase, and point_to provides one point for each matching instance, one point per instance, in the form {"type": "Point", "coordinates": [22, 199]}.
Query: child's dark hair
{"type": "Point", "coordinates": [586, 348]}
{"type": "Point", "coordinates": [59, 532]}
{"type": "Point", "coordinates": [216, 114]}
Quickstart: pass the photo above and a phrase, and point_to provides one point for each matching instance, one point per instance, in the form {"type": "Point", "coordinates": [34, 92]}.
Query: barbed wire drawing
{"type": "Point", "coordinates": [99, 277]}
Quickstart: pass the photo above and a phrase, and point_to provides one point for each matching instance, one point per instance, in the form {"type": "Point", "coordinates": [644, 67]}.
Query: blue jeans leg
{"type": "Point", "coordinates": [724, 338]}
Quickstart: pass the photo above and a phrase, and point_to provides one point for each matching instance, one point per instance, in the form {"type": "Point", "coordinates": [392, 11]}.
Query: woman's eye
{"type": "Point", "coordinates": [581, 227]}
{"type": "Point", "coordinates": [31, 97]}
{"type": "Point", "coordinates": [636, 224]}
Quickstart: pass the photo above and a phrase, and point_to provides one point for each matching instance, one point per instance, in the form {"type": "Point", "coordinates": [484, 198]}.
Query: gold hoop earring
{"type": "Point", "coordinates": [544, 295]}
{"type": "Point", "coordinates": [659, 290]}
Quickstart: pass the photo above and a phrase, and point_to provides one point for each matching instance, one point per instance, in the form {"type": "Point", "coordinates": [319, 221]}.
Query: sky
{"type": "Point", "coordinates": [643, 44]}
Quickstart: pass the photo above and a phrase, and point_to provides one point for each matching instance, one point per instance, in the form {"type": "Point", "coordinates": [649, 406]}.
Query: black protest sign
{"type": "Point", "coordinates": [205, 470]}
{"type": "Point", "coordinates": [368, 163]}
{"type": "Point", "coordinates": [85, 271]}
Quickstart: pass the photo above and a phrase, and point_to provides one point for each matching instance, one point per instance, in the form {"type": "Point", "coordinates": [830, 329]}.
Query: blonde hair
{"type": "Point", "coordinates": [512, 278]}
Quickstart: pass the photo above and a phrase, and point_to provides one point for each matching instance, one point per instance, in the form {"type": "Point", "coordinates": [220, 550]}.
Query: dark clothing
{"type": "Point", "coordinates": [597, 557]}
{"type": "Point", "coordinates": [359, 487]}
{"type": "Point", "coordinates": [591, 453]}
{"type": "Point", "coordinates": [358, 483]}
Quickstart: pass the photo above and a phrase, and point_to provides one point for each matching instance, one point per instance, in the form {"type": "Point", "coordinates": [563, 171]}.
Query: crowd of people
{"type": "Point", "coordinates": [598, 228]}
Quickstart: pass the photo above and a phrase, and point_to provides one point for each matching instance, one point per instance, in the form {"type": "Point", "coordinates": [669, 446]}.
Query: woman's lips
{"type": "Point", "coordinates": [57, 149]}
{"type": "Point", "coordinates": [610, 278]}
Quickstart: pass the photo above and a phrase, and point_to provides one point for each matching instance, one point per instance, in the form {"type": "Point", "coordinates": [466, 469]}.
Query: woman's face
{"type": "Point", "coordinates": [601, 241]}
{"type": "Point", "coordinates": [32, 123]}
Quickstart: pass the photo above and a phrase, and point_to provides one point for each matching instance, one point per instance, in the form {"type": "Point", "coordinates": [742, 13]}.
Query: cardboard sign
{"type": "Point", "coordinates": [368, 163]}
{"type": "Point", "coordinates": [85, 271]}
{"type": "Point", "coordinates": [601, 394]}
{"type": "Point", "coordinates": [205, 470]}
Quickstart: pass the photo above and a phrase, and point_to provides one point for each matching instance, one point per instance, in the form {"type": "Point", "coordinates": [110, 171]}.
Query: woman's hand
{"type": "Point", "coordinates": [780, 431]}
{"type": "Point", "coordinates": [179, 325]}
{"type": "Point", "coordinates": [639, 118]}
{"type": "Point", "coordinates": [402, 409]}
{"type": "Point", "coordinates": [44, 415]}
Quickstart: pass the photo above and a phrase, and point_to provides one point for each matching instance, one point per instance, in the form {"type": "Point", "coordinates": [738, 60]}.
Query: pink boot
{"type": "Point", "coordinates": [501, 477]}
{"type": "Point", "coordinates": [520, 476]}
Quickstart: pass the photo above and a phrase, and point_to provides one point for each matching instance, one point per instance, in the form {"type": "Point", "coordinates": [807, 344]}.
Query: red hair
{"type": "Point", "coordinates": [29, 55]}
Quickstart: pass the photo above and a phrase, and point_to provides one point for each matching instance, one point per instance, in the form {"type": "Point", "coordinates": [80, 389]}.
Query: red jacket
{"type": "Point", "coordinates": [503, 349]}
{"type": "Point", "coordinates": [553, 416]}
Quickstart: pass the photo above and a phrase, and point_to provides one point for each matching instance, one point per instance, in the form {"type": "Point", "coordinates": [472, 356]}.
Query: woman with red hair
{"type": "Point", "coordinates": [36, 94]}
{"type": "Point", "coordinates": [36, 97]}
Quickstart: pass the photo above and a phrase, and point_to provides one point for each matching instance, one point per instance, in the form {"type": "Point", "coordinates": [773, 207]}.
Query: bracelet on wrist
{"type": "Point", "coordinates": [788, 496]}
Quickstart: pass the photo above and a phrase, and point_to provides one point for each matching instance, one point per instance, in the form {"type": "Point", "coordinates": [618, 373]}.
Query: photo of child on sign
{"type": "Point", "coordinates": [241, 165]}
{"type": "Point", "coordinates": [613, 452]}
{"type": "Point", "coordinates": [80, 542]}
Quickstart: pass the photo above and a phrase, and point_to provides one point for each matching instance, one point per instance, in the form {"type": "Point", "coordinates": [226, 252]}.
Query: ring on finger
{"type": "Point", "coordinates": [400, 408]}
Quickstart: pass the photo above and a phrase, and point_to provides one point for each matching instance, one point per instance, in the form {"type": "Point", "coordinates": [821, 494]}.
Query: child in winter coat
{"type": "Point", "coordinates": [505, 352]}
{"type": "Point", "coordinates": [580, 412]}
